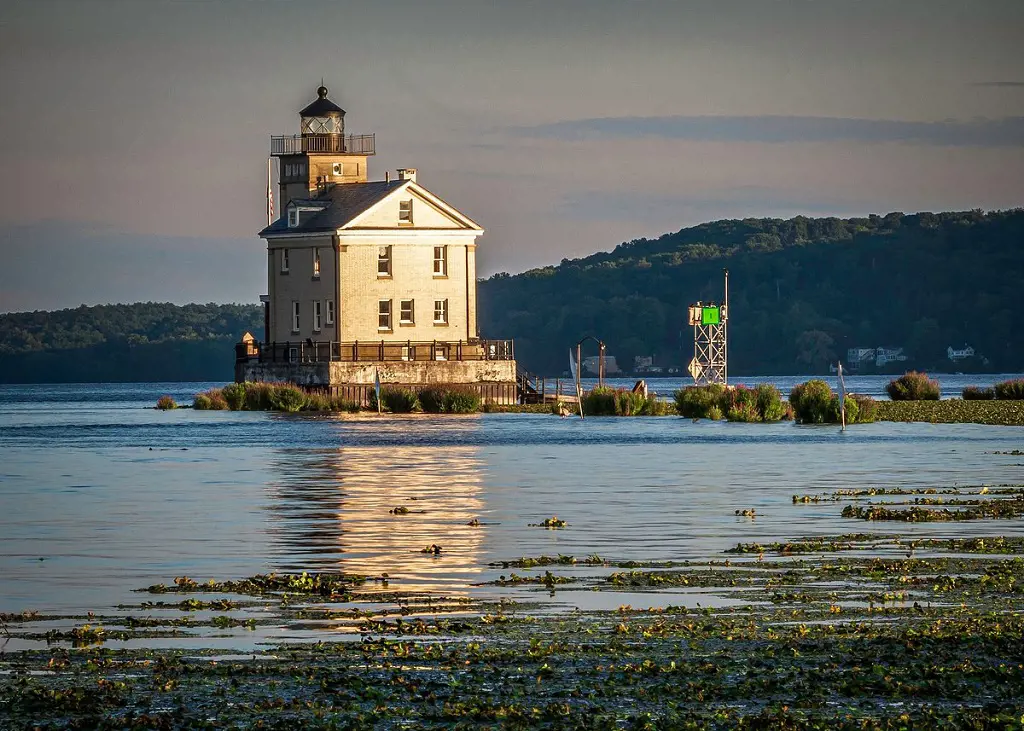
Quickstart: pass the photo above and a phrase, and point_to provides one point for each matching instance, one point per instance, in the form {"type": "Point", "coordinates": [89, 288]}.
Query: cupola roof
{"type": "Point", "coordinates": [322, 107]}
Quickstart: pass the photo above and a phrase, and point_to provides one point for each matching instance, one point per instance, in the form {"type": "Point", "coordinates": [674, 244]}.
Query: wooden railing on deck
{"type": "Point", "coordinates": [313, 351]}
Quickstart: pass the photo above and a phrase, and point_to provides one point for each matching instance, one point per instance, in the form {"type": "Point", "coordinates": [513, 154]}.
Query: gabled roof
{"type": "Point", "coordinates": [347, 202]}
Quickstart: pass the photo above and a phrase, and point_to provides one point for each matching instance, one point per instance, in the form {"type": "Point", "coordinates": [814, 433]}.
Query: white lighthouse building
{"type": "Point", "coordinates": [367, 277]}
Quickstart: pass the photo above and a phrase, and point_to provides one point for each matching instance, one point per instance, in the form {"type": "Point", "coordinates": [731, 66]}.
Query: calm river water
{"type": "Point", "coordinates": [101, 494]}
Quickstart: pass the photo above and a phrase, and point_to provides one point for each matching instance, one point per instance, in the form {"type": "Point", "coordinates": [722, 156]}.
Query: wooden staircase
{"type": "Point", "coordinates": [536, 390]}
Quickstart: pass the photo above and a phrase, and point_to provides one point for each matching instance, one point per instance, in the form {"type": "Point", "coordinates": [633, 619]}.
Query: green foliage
{"type": "Point", "coordinates": [432, 399]}
{"type": "Point", "coordinates": [234, 395]}
{"type": "Point", "coordinates": [135, 324]}
{"type": "Point", "coordinates": [212, 400]}
{"type": "Point", "coordinates": [695, 402]}
{"type": "Point", "coordinates": [763, 403]}
{"type": "Point", "coordinates": [461, 400]}
{"type": "Point", "coordinates": [914, 386]}
{"type": "Point", "coordinates": [396, 399]}
{"type": "Point", "coordinates": [259, 396]}
{"type": "Point", "coordinates": [954, 411]}
{"type": "Point", "coordinates": [867, 408]}
{"type": "Point", "coordinates": [145, 341]}
{"type": "Point", "coordinates": [743, 411]}
{"type": "Point", "coordinates": [1012, 390]}
{"type": "Point", "coordinates": [978, 393]}
{"type": "Point", "coordinates": [769, 402]}
{"type": "Point", "coordinates": [449, 398]}
{"type": "Point", "coordinates": [285, 397]}
{"type": "Point", "coordinates": [600, 401]}
{"type": "Point", "coordinates": [607, 401]}
{"type": "Point", "coordinates": [798, 291]}
{"type": "Point", "coordinates": [166, 403]}
{"type": "Point", "coordinates": [812, 403]}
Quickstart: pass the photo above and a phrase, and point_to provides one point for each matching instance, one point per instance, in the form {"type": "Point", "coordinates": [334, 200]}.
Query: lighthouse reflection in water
{"type": "Point", "coordinates": [343, 510]}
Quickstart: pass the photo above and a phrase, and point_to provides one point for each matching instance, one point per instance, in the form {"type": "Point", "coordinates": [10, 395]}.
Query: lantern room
{"type": "Point", "coordinates": [322, 117]}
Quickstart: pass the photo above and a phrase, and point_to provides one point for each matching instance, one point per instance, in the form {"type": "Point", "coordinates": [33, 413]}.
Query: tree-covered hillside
{"type": "Point", "coordinates": [148, 341]}
{"type": "Point", "coordinates": [802, 291]}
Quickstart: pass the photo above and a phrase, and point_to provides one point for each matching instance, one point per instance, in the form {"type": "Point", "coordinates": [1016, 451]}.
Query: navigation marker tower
{"type": "Point", "coordinates": [710, 343]}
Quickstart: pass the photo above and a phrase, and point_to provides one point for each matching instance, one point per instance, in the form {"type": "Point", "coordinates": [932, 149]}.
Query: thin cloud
{"type": "Point", "coordinates": [999, 84]}
{"type": "Point", "coordinates": [1005, 132]}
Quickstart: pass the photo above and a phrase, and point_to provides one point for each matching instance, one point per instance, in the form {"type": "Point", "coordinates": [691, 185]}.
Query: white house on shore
{"type": "Point", "coordinates": [367, 278]}
{"type": "Point", "coordinates": [955, 354]}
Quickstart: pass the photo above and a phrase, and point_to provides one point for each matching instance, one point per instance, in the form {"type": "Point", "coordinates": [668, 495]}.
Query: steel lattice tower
{"type": "Point", "coordinates": [710, 322]}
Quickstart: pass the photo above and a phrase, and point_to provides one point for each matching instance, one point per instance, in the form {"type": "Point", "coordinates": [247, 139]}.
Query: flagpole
{"type": "Point", "coordinates": [270, 196]}
{"type": "Point", "coordinates": [376, 388]}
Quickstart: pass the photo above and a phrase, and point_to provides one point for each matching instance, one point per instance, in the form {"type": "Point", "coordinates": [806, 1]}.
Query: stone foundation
{"type": "Point", "coordinates": [354, 381]}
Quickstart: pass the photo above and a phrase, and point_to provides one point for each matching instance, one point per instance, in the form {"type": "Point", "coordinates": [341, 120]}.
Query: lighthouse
{"type": "Point", "coordinates": [368, 278]}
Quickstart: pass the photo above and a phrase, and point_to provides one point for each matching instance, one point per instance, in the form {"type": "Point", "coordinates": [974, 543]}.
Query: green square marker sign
{"type": "Point", "coordinates": [710, 316]}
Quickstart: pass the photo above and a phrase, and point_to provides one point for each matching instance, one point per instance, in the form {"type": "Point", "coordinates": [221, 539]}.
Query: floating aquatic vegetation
{"type": "Point", "coordinates": [432, 548]}
{"type": "Point", "coordinates": [984, 510]}
{"type": "Point", "coordinates": [319, 584]}
{"type": "Point", "coordinates": [400, 510]}
{"type": "Point", "coordinates": [747, 513]}
{"type": "Point", "coordinates": [552, 522]}
{"type": "Point", "coordinates": [547, 579]}
{"type": "Point", "coordinates": [559, 560]}
{"type": "Point", "coordinates": [954, 411]}
{"type": "Point", "coordinates": [841, 643]}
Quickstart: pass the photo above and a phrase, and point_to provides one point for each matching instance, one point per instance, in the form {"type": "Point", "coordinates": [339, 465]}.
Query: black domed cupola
{"type": "Point", "coordinates": [323, 117]}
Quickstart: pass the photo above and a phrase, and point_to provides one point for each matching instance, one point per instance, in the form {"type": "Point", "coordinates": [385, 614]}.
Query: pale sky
{"type": "Point", "coordinates": [134, 135]}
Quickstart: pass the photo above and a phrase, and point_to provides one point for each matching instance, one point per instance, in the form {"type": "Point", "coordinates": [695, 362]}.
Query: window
{"type": "Point", "coordinates": [440, 352]}
{"type": "Point", "coordinates": [440, 261]}
{"type": "Point", "coordinates": [295, 316]}
{"type": "Point", "coordinates": [384, 315]}
{"type": "Point", "coordinates": [408, 352]}
{"type": "Point", "coordinates": [293, 217]}
{"type": "Point", "coordinates": [384, 261]}
{"type": "Point", "coordinates": [284, 261]}
{"type": "Point", "coordinates": [316, 262]}
{"type": "Point", "coordinates": [330, 312]}
{"type": "Point", "coordinates": [405, 211]}
{"type": "Point", "coordinates": [440, 312]}
{"type": "Point", "coordinates": [405, 315]}
{"type": "Point", "coordinates": [316, 316]}
{"type": "Point", "coordinates": [293, 355]}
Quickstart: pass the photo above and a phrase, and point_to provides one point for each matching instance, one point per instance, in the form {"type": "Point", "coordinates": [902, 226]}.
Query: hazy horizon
{"type": "Point", "coordinates": [135, 135]}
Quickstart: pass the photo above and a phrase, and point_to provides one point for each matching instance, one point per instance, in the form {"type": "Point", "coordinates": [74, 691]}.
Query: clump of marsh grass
{"type": "Point", "coordinates": [914, 386]}
{"type": "Point", "coordinates": [166, 403]}
{"type": "Point", "coordinates": [1012, 390]}
{"type": "Point", "coordinates": [814, 402]}
{"type": "Point", "coordinates": [978, 393]}
{"type": "Point", "coordinates": [607, 401]}
{"type": "Point", "coordinates": [763, 403]}
{"type": "Point", "coordinates": [449, 398]}
{"type": "Point", "coordinates": [212, 400]}
{"type": "Point", "coordinates": [396, 399]}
